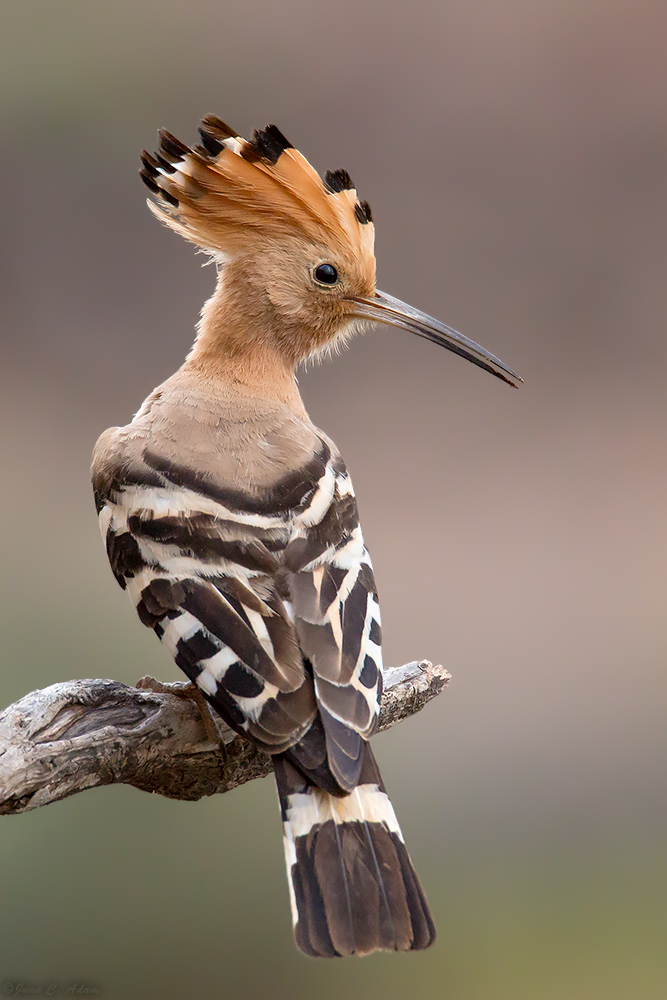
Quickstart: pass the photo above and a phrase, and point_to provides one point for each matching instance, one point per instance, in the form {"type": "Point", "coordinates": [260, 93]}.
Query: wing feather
{"type": "Point", "coordinates": [207, 581]}
{"type": "Point", "coordinates": [337, 621]}
{"type": "Point", "coordinates": [267, 601]}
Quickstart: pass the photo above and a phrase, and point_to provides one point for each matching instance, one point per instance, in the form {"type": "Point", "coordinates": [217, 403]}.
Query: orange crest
{"type": "Point", "coordinates": [228, 193]}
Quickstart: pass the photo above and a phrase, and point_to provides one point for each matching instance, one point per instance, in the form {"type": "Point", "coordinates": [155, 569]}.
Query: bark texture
{"type": "Point", "coordinates": [84, 733]}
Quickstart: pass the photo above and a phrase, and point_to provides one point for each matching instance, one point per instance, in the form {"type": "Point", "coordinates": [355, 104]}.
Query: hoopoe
{"type": "Point", "coordinates": [231, 521]}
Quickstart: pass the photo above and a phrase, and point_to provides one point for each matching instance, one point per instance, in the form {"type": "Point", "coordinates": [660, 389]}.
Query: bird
{"type": "Point", "coordinates": [232, 523]}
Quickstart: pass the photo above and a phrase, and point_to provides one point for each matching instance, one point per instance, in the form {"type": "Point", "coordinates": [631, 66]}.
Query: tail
{"type": "Point", "coordinates": [352, 886]}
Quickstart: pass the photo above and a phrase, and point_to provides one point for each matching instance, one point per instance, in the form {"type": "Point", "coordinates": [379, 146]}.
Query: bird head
{"type": "Point", "coordinates": [295, 250]}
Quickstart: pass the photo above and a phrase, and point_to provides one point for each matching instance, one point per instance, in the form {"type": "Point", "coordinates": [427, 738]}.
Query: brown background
{"type": "Point", "coordinates": [515, 158]}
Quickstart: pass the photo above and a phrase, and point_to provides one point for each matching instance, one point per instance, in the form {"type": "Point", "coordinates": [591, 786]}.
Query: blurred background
{"type": "Point", "coordinates": [515, 156]}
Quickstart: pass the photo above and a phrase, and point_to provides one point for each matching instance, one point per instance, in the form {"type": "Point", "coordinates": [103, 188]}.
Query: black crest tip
{"type": "Point", "coordinates": [148, 181]}
{"type": "Point", "coordinates": [266, 144]}
{"type": "Point", "coordinates": [362, 211]}
{"type": "Point", "coordinates": [154, 188]}
{"type": "Point", "coordinates": [274, 135]}
{"type": "Point", "coordinates": [216, 128]}
{"type": "Point", "coordinates": [338, 180]}
{"type": "Point", "coordinates": [212, 145]}
{"type": "Point", "coordinates": [202, 152]}
{"type": "Point", "coordinates": [171, 146]}
{"type": "Point", "coordinates": [169, 198]}
{"type": "Point", "coordinates": [165, 164]}
{"type": "Point", "coordinates": [149, 162]}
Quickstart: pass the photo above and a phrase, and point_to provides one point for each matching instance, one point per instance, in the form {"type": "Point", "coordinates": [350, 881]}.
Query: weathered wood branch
{"type": "Point", "coordinates": [81, 734]}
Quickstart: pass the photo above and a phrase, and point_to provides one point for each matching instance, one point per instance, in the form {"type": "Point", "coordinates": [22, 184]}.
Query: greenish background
{"type": "Point", "coordinates": [515, 157]}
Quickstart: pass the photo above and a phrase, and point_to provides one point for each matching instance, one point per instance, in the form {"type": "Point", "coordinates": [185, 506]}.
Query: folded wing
{"type": "Point", "coordinates": [337, 619]}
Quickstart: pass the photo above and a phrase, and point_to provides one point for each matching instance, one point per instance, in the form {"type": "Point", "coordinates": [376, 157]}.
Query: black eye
{"type": "Point", "coordinates": [326, 274]}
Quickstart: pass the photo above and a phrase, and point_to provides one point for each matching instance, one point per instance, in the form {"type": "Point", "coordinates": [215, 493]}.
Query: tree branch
{"type": "Point", "coordinates": [81, 734]}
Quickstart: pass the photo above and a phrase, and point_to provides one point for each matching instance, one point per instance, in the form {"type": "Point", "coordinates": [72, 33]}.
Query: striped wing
{"type": "Point", "coordinates": [267, 603]}
{"type": "Point", "coordinates": [202, 567]}
{"type": "Point", "coordinates": [337, 620]}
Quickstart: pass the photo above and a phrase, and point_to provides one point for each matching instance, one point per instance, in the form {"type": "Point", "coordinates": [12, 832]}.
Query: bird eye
{"type": "Point", "coordinates": [326, 274]}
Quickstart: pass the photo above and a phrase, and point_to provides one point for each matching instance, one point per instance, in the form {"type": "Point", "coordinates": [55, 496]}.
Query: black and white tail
{"type": "Point", "coordinates": [352, 886]}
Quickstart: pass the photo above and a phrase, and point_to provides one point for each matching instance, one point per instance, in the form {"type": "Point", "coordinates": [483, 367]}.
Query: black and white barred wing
{"type": "Point", "coordinates": [337, 619]}
{"type": "Point", "coordinates": [202, 571]}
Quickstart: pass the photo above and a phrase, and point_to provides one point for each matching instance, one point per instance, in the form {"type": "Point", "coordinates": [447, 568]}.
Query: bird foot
{"type": "Point", "coordinates": [191, 691]}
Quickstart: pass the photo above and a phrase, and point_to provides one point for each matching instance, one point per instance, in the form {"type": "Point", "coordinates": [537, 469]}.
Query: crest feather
{"type": "Point", "coordinates": [226, 192]}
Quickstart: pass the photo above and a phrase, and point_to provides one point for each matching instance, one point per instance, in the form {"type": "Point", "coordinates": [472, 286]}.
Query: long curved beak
{"type": "Point", "coordinates": [385, 308]}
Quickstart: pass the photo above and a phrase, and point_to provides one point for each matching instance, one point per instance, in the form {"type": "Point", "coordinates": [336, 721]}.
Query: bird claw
{"type": "Point", "coordinates": [191, 691]}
